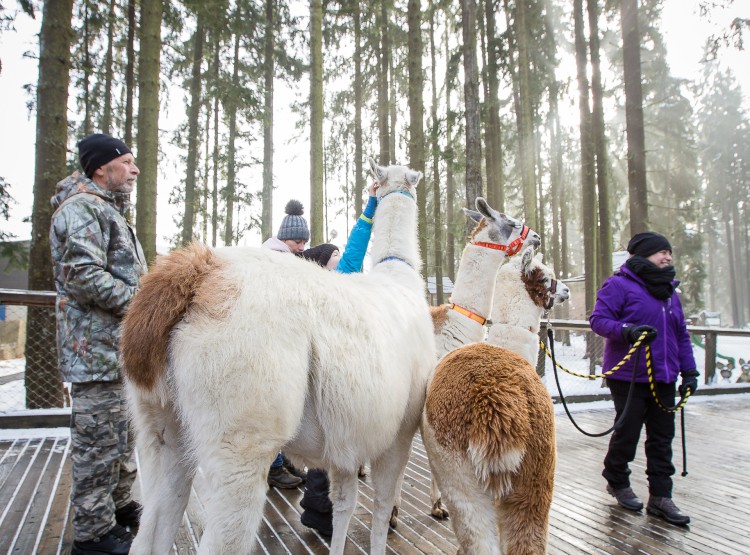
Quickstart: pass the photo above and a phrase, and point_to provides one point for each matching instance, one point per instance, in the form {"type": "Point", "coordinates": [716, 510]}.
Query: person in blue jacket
{"type": "Point", "coordinates": [318, 509]}
{"type": "Point", "coordinates": [639, 298]}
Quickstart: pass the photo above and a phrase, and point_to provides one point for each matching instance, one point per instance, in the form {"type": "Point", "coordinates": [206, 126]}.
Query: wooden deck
{"type": "Point", "coordinates": [35, 486]}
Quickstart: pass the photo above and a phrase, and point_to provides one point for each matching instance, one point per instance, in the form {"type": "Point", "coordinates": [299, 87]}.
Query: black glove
{"type": "Point", "coordinates": [632, 333]}
{"type": "Point", "coordinates": [689, 382]}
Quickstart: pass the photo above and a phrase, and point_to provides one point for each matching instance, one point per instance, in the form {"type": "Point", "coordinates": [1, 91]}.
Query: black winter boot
{"type": "Point", "coordinates": [665, 508]}
{"type": "Point", "coordinates": [626, 498]}
{"type": "Point", "coordinates": [129, 515]}
{"type": "Point", "coordinates": [115, 542]}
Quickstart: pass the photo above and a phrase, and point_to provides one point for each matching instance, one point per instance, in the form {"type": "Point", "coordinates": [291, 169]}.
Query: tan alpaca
{"type": "Point", "coordinates": [462, 320]}
{"type": "Point", "coordinates": [488, 427]}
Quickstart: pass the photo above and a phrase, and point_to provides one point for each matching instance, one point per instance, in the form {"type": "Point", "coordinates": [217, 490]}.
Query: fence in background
{"type": "Point", "coordinates": [31, 390]}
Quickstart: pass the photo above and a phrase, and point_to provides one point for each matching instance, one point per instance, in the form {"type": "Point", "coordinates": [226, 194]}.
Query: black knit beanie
{"type": "Point", "coordinates": [647, 243]}
{"type": "Point", "coordinates": [98, 149]}
{"type": "Point", "coordinates": [320, 253]}
{"type": "Point", "coordinates": [293, 226]}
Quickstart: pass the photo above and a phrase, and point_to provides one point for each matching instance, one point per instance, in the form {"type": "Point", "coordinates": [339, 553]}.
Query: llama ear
{"type": "Point", "coordinates": [527, 256]}
{"type": "Point", "coordinates": [473, 214]}
{"type": "Point", "coordinates": [378, 172]}
{"type": "Point", "coordinates": [413, 177]}
{"type": "Point", "coordinates": [487, 211]}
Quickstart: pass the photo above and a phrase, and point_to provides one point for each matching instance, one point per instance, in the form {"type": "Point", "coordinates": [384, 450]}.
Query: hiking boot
{"type": "Point", "coordinates": [626, 498]}
{"type": "Point", "coordinates": [279, 477]}
{"type": "Point", "coordinates": [665, 508]}
{"type": "Point", "coordinates": [115, 542]}
{"type": "Point", "coordinates": [322, 522]}
{"type": "Point", "coordinates": [130, 515]}
{"type": "Point", "coordinates": [299, 473]}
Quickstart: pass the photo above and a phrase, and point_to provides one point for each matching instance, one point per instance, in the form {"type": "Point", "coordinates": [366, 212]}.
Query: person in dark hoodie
{"type": "Point", "coordinates": [641, 297]}
{"type": "Point", "coordinates": [97, 265]}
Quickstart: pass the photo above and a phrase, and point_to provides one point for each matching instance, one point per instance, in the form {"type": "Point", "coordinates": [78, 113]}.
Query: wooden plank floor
{"type": "Point", "coordinates": [35, 486]}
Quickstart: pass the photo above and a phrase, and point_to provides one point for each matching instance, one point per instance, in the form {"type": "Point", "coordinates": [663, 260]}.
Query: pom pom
{"type": "Point", "coordinates": [294, 208]}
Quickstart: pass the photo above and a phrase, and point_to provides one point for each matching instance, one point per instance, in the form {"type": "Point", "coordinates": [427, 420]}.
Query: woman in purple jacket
{"type": "Point", "coordinates": [639, 298]}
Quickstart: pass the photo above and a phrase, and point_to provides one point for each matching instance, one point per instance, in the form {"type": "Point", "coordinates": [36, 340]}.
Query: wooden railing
{"type": "Point", "coordinates": [709, 333]}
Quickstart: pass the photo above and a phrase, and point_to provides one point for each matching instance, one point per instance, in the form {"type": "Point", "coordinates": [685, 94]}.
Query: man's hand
{"type": "Point", "coordinates": [631, 334]}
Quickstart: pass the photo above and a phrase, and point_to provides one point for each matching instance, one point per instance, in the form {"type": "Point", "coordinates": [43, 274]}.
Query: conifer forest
{"type": "Point", "coordinates": [562, 113]}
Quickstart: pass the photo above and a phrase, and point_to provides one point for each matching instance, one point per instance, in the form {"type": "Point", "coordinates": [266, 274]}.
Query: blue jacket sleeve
{"type": "Point", "coordinates": [356, 245]}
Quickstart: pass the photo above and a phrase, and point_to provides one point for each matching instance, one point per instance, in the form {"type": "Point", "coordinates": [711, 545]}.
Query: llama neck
{"type": "Point", "coordinates": [475, 280]}
{"type": "Point", "coordinates": [395, 232]}
{"type": "Point", "coordinates": [515, 317]}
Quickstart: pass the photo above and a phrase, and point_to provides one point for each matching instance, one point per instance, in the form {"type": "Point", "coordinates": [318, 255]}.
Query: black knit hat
{"type": "Point", "coordinates": [647, 243]}
{"type": "Point", "coordinates": [98, 149]}
{"type": "Point", "coordinates": [293, 226]}
{"type": "Point", "coordinates": [320, 253]}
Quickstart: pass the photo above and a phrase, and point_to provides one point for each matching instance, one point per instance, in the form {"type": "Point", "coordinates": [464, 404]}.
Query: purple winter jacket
{"type": "Point", "coordinates": [624, 300]}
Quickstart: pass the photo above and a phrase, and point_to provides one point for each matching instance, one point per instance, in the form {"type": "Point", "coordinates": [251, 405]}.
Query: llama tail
{"type": "Point", "coordinates": [165, 293]}
{"type": "Point", "coordinates": [500, 427]}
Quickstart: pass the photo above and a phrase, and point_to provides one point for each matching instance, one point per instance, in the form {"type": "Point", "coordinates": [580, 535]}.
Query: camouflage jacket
{"type": "Point", "coordinates": [97, 263]}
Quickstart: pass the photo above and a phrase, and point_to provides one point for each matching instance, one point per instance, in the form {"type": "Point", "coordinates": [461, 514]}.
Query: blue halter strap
{"type": "Point", "coordinates": [387, 258]}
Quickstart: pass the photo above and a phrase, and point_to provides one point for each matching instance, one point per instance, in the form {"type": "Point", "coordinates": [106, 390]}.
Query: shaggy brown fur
{"type": "Point", "coordinates": [165, 294]}
{"type": "Point", "coordinates": [439, 316]}
{"type": "Point", "coordinates": [489, 399]}
{"type": "Point", "coordinates": [536, 287]}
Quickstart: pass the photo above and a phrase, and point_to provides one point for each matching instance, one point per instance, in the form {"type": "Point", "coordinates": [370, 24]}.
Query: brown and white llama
{"type": "Point", "coordinates": [232, 354]}
{"type": "Point", "coordinates": [462, 320]}
{"type": "Point", "coordinates": [488, 426]}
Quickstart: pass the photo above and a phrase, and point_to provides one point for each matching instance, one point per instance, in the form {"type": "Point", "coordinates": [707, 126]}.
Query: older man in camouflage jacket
{"type": "Point", "coordinates": [98, 262]}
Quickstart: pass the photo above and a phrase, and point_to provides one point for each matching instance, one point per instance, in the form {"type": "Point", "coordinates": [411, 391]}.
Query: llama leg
{"type": "Point", "coordinates": [165, 478]}
{"type": "Point", "coordinates": [393, 522]}
{"type": "Point", "coordinates": [387, 473]}
{"type": "Point", "coordinates": [344, 498]}
{"type": "Point", "coordinates": [237, 470]}
{"type": "Point", "coordinates": [472, 511]}
{"type": "Point", "coordinates": [525, 519]}
{"type": "Point", "coordinates": [439, 510]}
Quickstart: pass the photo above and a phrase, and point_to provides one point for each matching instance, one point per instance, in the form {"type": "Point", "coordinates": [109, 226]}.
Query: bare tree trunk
{"type": "Point", "coordinates": [191, 164]}
{"type": "Point", "coordinates": [604, 243]}
{"type": "Point", "coordinates": [215, 155]}
{"type": "Point", "coordinates": [316, 122]}
{"type": "Point", "coordinates": [631, 57]}
{"type": "Point", "coordinates": [359, 181]}
{"type": "Point", "coordinates": [434, 140]}
{"type": "Point", "coordinates": [43, 386]}
{"type": "Point", "coordinates": [130, 74]}
{"type": "Point", "coordinates": [416, 111]}
{"type": "Point", "coordinates": [231, 109]}
{"type": "Point", "coordinates": [526, 138]}
{"type": "Point", "coordinates": [87, 70]}
{"type": "Point", "coordinates": [471, 97]}
{"type": "Point", "coordinates": [269, 68]}
{"type": "Point", "coordinates": [383, 101]}
{"type": "Point", "coordinates": [450, 191]}
{"type": "Point", "coordinates": [106, 122]}
{"type": "Point", "coordinates": [148, 124]}
{"type": "Point", "coordinates": [493, 152]}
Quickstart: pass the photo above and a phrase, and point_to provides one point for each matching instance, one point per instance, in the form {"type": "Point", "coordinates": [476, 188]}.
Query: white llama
{"type": "Point", "coordinates": [231, 354]}
{"type": "Point", "coordinates": [488, 426]}
{"type": "Point", "coordinates": [462, 320]}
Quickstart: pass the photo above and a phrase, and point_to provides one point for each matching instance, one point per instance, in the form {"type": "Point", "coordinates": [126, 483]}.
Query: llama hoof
{"type": "Point", "coordinates": [394, 518]}
{"type": "Point", "coordinates": [438, 511]}
{"type": "Point", "coordinates": [362, 471]}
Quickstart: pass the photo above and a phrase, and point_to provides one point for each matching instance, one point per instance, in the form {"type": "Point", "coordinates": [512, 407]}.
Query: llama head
{"type": "Point", "coordinates": [500, 229]}
{"type": "Point", "coordinates": [394, 178]}
{"type": "Point", "coordinates": [539, 280]}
